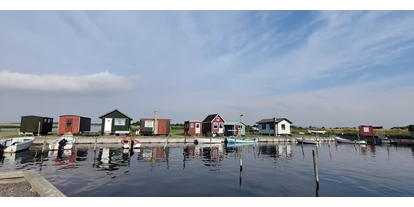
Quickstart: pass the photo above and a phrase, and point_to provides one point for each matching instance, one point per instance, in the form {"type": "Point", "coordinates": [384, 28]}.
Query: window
{"type": "Point", "coordinates": [192, 125]}
{"type": "Point", "coordinates": [120, 122]}
{"type": "Point", "coordinates": [366, 129]}
{"type": "Point", "coordinates": [45, 120]}
{"type": "Point", "coordinates": [272, 126]}
{"type": "Point", "coordinates": [283, 127]}
{"type": "Point", "coordinates": [49, 120]}
{"type": "Point", "coordinates": [221, 125]}
{"type": "Point", "coordinates": [185, 126]}
{"type": "Point", "coordinates": [215, 125]}
{"type": "Point", "coordinates": [240, 126]}
{"type": "Point", "coordinates": [264, 126]}
{"type": "Point", "coordinates": [149, 124]}
{"type": "Point", "coordinates": [197, 126]}
{"type": "Point", "coordinates": [69, 123]}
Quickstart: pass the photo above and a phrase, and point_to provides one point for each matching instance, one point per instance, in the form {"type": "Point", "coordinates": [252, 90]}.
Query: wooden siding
{"type": "Point", "coordinates": [116, 115]}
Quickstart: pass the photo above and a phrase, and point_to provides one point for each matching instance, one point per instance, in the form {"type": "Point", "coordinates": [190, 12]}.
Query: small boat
{"type": "Point", "coordinates": [65, 142]}
{"type": "Point", "coordinates": [128, 143]}
{"type": "Point", "coordinates": [316, 132]}
{"type": "Point", "coordinates": [231, 140]}
{"type": "Point", "coordinates": [207, 140]}
{"type": "Point", "coordinates": [16, 144]}
{"type": "Point", "coordinates": [307, 141]}
{"type": "Point", "coordinates": [343, 140]}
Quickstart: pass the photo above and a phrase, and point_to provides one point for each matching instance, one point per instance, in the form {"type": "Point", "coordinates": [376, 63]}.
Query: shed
{"type": "Point", "coordinates": [193, 127]}
{"type": "Point", "coordinates": [213, 123]}
{"type": "Point", "coordinates": [155, 126]}
{"type": "Point", "coordinates": [411, 129]}
{"type": "Point", "coordinates": [234, 128]}
{"type": "Point", "coordinates": [366, 131]}
{"type": "Point", "coordinates": [74, 124]}
{"type": "Point", "coordinates": [34, 124]}
{"type": "Point", "coordinates": [115, 122]}
{"type": "Point", "coordinates": [268, 126]}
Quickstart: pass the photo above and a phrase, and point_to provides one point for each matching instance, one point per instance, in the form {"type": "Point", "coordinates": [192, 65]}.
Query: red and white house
{"type": "Point", "coordinates": [213, 123]}
{"type": "Point", "coordinates": [193, 127]}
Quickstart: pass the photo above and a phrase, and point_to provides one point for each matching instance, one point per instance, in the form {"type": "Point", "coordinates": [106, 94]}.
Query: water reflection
{"type": "Point", "coordinates": [100, 167]}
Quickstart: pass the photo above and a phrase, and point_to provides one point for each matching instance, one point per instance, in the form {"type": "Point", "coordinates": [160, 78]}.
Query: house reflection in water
{"type": "Point", "coordinates": [211, 155]}
{"type": "Point", "coordinates": [276, 151]}
{"type": "Point", "coordinates": [111, 159]}
{"type": "Point", "coordinates": [156, 156]}
{"type": "Point", "coordinates": [64, 159]}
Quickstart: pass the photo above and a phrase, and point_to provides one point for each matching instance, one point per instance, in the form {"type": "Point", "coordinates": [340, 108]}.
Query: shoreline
{"type": "Point", "coordinates": [164, 139]}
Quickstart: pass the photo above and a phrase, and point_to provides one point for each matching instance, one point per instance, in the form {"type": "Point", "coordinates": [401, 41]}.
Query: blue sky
{"type": "Point", "coordinates": [320, 68]}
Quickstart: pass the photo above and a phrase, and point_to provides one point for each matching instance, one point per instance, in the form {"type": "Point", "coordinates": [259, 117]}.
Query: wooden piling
{"type": "Point", "coordinates": [44, 146]}
{"type": "Point", "coordinates": [359, 141]}
{"type": "Point", "coordinates": [96, 141]}
{"type": "Point", "coordinates": [241, 162]}
{"type": "Point", "coordinates": [315, 167]}
{"type": "Point", "coordinates": [166, 143]}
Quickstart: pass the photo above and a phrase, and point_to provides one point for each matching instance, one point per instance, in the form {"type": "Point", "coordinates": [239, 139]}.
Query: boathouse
{"type": "Point", "coordinates": [193, 128]}
{"type": "Point", "coordinates": [411, 129]}
{"type": "Point", "coordinates": [213, 124]}
{"type": "Point", "coordinates": [74, 124]}
{"type": "Point", "coordinates": [115, 122]}
{"type": "Point", "coordinates": [36, 124]}
{"type": "Point", "coordinates": [234, 128]}
{"type": "Point", "coordinates": [155, 126]}
{"type": "Point", "coordinates": [268, 126]}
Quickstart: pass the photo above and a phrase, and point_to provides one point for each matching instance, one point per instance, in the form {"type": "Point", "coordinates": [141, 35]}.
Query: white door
{"type": "Point", "coordinates": [197, 129]}
{"type": "Point", "coordinates": [108, 125]}
{"type": "Point", "coordinates": [221, 128]}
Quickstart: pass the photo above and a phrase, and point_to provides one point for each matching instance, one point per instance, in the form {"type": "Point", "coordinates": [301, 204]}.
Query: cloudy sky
{"type": "Point", "coordinates": [320, 68]}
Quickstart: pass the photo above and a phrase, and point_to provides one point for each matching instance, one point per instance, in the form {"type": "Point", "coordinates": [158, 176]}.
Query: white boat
{"type": "Point", "coordinates": [65, 142]}
{"type": "Point", "coordinates": [307, 141]}
{"type": "Point", "coordinates": [343, 140]}
{"type": "Point", "coordinates": [16, 144]}
{"type": "Point", "coordinates": [316, 132]}
{"type": "Point", "coordinates": [207, 140]}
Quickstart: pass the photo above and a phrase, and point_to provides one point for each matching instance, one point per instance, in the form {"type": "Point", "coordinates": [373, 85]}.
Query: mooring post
{"type": "Point", "coordinates": [96, 140]}
{"type": "Point", "coordinates": [44, 146]}
{"type": "Point", "coordinates": [315, 167]}
{"type": "Point", "coordinates": [185, 138]}
{"type": "Point", "coordinates": [241, 161]}
{"type": "Point", "coordinates": [38, 130]}
{"type": "Point", "coordinates": [166, 143]}
{"type": "Point", "coordinates": [359, 141]}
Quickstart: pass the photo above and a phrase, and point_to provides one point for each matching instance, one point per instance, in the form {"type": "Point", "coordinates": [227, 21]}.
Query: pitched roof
{"type": "Point", "coordinates": [234, 122]}
{"type": "Point", "coordinates": [211, 117]}
{"type": "Point", "coordinates": [271, 120]}
{"type": "Point", "coordinates": [114, 111]}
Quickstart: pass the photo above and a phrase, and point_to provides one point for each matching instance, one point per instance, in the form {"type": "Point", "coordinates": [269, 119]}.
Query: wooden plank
{"type": "Point", "coordinates": [39, 184]}
{"type": "Point", "coordinates": [9, 175]}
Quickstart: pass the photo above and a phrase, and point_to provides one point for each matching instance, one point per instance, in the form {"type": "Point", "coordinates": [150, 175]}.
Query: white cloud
{"type": "Point", "coordinates": [103, 83]}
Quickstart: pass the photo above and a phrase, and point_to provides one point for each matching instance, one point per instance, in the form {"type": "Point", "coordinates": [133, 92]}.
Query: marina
{"type": "Point", "coordinates": [178, 169]}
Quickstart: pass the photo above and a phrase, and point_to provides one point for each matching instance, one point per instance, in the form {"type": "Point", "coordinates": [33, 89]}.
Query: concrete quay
{"type": "Point", "coordinates": [27, 183]}
{"type": "Point", "coordinates": [163, 139]}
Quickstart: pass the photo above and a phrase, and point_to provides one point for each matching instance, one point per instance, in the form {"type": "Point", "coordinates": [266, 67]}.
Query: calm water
{"type": "Point", "coordinates": [193, 170]}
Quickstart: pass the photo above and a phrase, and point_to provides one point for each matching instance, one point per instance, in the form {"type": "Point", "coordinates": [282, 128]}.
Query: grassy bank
{"type": "Point", "coordinates": [179, 131]}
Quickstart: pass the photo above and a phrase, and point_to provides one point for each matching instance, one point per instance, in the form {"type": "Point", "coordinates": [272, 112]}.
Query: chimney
{"type": "Point", "coordinates": [155, 129]}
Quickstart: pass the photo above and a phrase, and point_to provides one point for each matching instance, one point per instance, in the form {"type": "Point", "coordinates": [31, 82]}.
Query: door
{"type": "Point", "coordinates": [108, 125]}
{"type": "Point", "coordinates": [221, 128]}
{"type": "Point", "coordinates": [197, 129]}
{"type": "Point", "coordinates": [68, 127]}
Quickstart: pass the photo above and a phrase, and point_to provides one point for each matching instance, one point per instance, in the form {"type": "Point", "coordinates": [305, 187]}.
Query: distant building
{"type": "Point", "coordinates": [213, 123]}
{"type": "Point", "coordinates": [411, 129]}
{"type": "Point", "coordinates": [234, 128]}
{"type": "Point", "coordinates": [115, 122]}
{"type": "Point", "coordinates": [267, 126]}
{"type": "Point", "coordinates": [74, 124]}
{"type": "Point", "coordinates": [36, 124]}
{"type": "Point", "coordinates": [193, 127]}
{"type": "Point", "coordinates": [366, 131]}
